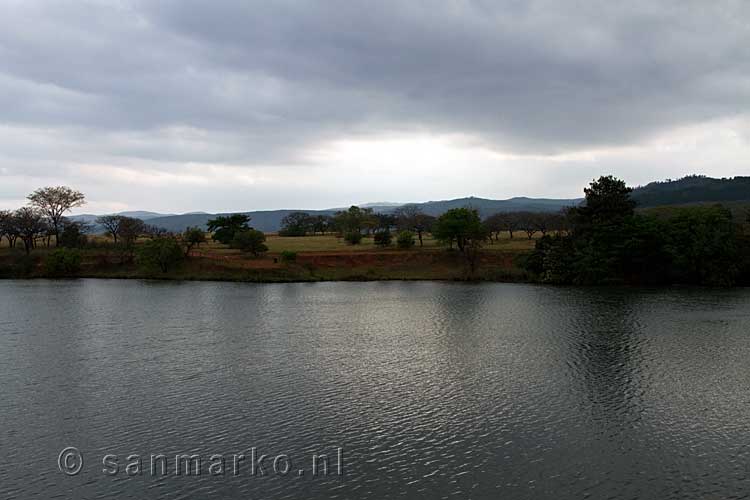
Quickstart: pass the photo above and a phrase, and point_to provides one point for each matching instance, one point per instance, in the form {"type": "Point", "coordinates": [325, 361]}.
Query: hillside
{"type": "Point", "coordinates": [688, 190]}
{"type": "Point", "coordinates": [693, 189]}
{"type": "Point", "coordinates": [270, 220]}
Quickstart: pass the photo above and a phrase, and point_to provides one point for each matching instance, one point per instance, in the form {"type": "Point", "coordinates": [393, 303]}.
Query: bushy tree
{"type": "Point", "coordinates": [383, 238]}
{"type": "Point", "coordinates": [73, 234]}
{"type": "Point", "coordinates": [225, 227]}
{"type": "Point", "coordinates": [160, 254]}
{"type": "Point", "coordinates": [353, 237]}
{"type": "Point", "coordinates": [461, 226]}
{"type": "Point", "coordinates": [251, 240]}
{"type": "Point", "coordinates": [405, 240]}
{"type": "Point", "coordinates": [192, 237]}
{"type": "Point", "coordinates": [296, 224]}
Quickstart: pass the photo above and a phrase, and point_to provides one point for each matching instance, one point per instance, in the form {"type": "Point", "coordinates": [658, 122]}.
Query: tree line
{"type": "Point", "coordinates": [608, 242]}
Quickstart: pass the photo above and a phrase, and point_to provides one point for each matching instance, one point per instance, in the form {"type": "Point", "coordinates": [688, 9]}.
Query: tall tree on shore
{"type": "Point", "coordinates": [224, 227]}
{"type": "Point", "coordinates": [53, 202]}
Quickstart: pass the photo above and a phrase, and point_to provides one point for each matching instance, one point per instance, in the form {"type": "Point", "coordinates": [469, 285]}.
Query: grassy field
{"type": "Point", "coordinates": [318, 258]}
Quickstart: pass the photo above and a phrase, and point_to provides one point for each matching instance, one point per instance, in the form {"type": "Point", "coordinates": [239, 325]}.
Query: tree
{"type": "Point", "coordinates": [225, 227]}
{"type": "Point", "coordinates": [111, 224]}
{"type": "Point", "coordinates": [296, 224]}
{"type": "Point", "coordinates": [355, 219]}
{"type": "Point", "coordinates": [405, 239]}
{"type": "Point", "coordinates": [73, 234]}
{"type": "Point", "coordinates": [193, 236]}
{"type": "Point", "coordinates": [8, 227]}
{"type": "Point", "coordinates": [53, 202]}
{"type": "Point", "coordinates": [250, 240]}
{"type": "Point", "coordinates": [30, 224]}
{"type": "Point", "coordinates": [321, 224]}
{"type": "Point", "coordinates": [160, 254]}
{"type": "Point", "coordinates": [411, 218]}
{"type": "Point", "coordinates": [461, 226]}
{"type": "Point", "coordinates": [129, 230]}
{"type": "Point", "coordinates": [383, 238]}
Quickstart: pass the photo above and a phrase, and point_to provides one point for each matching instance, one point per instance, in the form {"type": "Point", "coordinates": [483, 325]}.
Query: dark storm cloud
{"type": "Point", "coordinates": [156, 92]}
{"type": "Point", "coordinates": [542, 76]}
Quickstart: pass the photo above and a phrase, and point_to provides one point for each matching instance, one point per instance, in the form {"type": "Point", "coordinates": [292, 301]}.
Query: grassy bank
{"type": "Point", "coordinates": [318, 258]}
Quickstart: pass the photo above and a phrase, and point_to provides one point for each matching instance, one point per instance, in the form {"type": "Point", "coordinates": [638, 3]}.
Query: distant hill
{"type": "Point", "coordinates": [693, 189]}
{"type": "Point", "coordinates": [270, 220]}
{"type": "Point", "coordinates": [688, 190]}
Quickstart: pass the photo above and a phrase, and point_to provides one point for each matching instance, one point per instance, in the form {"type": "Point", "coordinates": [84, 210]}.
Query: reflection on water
{"type": "Point", "coordinates": [432, 390]}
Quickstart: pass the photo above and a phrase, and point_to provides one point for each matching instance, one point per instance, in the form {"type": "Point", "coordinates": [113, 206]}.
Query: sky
{"type": "Point", "coordinates": [229, 105]}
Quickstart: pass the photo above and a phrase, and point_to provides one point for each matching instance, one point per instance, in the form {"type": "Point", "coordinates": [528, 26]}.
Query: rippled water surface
{"type": "Point", "coordinates": [431, 390]}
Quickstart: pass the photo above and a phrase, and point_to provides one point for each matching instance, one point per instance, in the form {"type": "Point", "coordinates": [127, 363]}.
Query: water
{"type": "Point", "coordinates": [431, 390]}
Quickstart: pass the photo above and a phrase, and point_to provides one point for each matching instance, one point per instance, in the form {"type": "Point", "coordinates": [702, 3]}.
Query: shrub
{"type": "Point", "coordinates": [72, 237]}
{"type": "Point", "coordinates": [383, 238]}
{"type": "Point", "coordinates": [405, 239]}
{"type": "Point", "coordinates": [62, 262]}
{"type": "Point", "coordinates": [353, 237]}
{"type": "Point", "coordinates": [251, 241]}
{"type": "Point", "coordinates": [160, 254]}
{"type": "Point", "coordinates": [288, 256]}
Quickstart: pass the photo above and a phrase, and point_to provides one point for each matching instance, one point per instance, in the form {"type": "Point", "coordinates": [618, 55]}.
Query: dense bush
{"type": "Point", "coordinates": [383, 238]}
{"type": "Point", "coordinates": [72, 237]}
{"type": "Point", "coordinates": [160, 254]}
{"type": "Point", "coordinates": [251, 240]}
{"type": "Point", "coordinates": [353, 237]}
{"type": "Point", "coordinates": [405, 239]}
{"type": "Point", "coordinates": [62, 262]}
{"type": "Point", "coordinates": [288, 256]}
{"type": "Point", "coordinates": [609, 243]}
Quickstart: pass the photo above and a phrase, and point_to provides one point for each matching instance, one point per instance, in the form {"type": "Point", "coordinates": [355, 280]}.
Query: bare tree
{"type": "Point", "coordinates": [53, 202]}
{"type": "Point", "coordinates": [111, 223]}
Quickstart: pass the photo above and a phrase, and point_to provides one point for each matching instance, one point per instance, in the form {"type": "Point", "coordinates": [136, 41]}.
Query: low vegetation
{"type": "Point", "coordinates": [603, 241]}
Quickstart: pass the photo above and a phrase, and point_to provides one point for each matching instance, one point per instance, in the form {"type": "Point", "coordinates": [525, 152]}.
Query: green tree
{"type": "Point", "coordinates": [296, 224]}
{"type": "Point", "coordinates": [250, 240]}
{"type": "Point", "coordinates": [461, 226]}
{"type": "Point", "coordinates": [192, 237]}
{"type": "Point", "coordinates": [225, 227]}
{"type": "Point", "coordinates": [160, 254]}
{"type": "Point", "coordinates": [383, 238]}
{"type": "Point", "coordinates": [405, 239]}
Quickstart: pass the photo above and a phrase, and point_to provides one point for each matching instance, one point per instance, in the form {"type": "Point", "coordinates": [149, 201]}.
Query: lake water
{"type": "Point", "coordinates": [429, 390]}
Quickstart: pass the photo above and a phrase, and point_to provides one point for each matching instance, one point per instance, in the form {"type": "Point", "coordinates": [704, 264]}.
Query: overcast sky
{"type": "Point", "coordinates": [225, 105]}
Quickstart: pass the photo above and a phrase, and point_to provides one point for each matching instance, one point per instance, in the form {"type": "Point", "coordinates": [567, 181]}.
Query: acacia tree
{"type": "Point", "coordinates": [296, 224]}
{"type": "Point", "coordinates": [193, 236]}
{"type": "Point", "coordinates": [464, 227]}
{"type": "Point", "coordinates": [7, 227]}
{"type": "Point", "coordinates": [411, 218]}
{"type": "Point", "coordinates": [53, 202]}
{"type": "Point", "coordinates": [29, 223]}
{"type": "Point", "coordinates": [224, 227]}
{"type": "Point", "coordinates": [111, 223]}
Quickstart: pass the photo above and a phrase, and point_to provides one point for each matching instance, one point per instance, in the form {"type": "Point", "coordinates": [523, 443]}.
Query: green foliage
{"type": "Point", "coordinates": [383, 238]}
{"type": "Point", "coordinates": [461, 226]}
{"type": "Point", "coordinates": [288, 256]}
{"type": "Point", "coordinates": [72, 236]}
{"type": "Point", "coordinates": [251, 240]}
{"type": "Point", "coordinates": [353, 237]}
{"type": "Point", "coordinates": [160, 254]}
{"type": "Point", "coordinates": [609, 243]}
{"type": "Point", "coordinates": [296, 224]}
{"type": "Point", "coordinates": [193, 236]}
{"type": "Point", "coordinates": [355, 220]}
{"type": "Point", "coordinates": [62, 262]}
{"type": "Point", "coordinates": [224, 228]}
{"type": "Point", "coordinates": [405, 239]}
